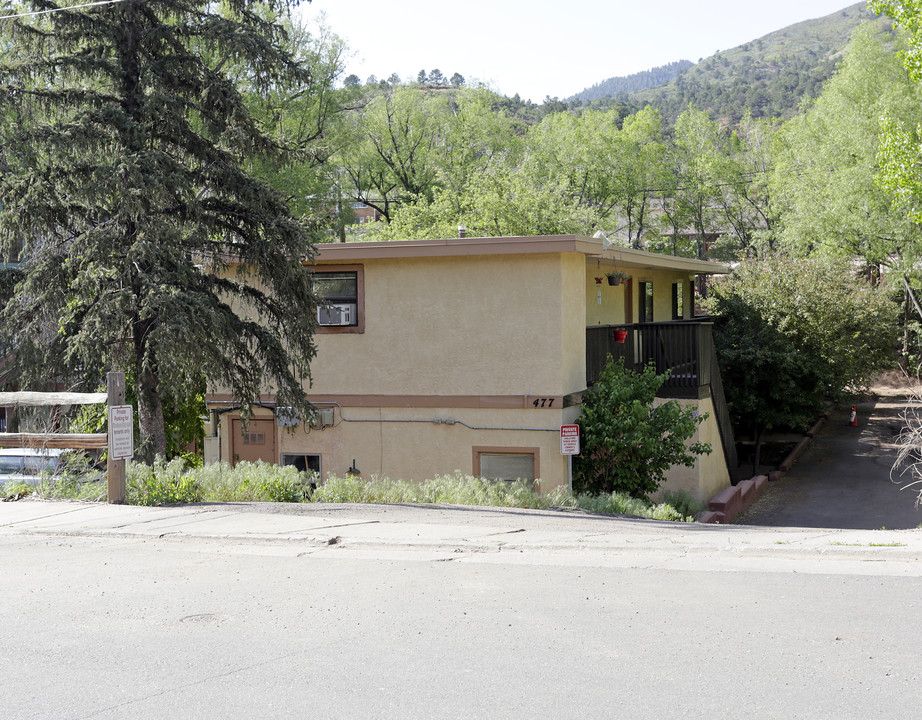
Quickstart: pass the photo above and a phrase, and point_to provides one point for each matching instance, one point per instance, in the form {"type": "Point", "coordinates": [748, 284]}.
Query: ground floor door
{"type": "Point", "coordinates": [257, 442]}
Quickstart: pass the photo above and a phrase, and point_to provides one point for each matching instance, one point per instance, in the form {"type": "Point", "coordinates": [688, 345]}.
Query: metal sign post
{"type": "Point", "coordinates": [569, 446]}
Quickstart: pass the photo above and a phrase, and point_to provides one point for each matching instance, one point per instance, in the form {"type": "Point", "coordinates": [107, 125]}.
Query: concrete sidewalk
{"type": "Point", "coordinates": [479, 534]}
{"type": "Point", "coordinates": [844, 479]}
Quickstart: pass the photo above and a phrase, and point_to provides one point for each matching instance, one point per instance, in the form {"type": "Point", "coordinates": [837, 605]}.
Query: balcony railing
{"type": "Point", "coordinates": [683, 348]}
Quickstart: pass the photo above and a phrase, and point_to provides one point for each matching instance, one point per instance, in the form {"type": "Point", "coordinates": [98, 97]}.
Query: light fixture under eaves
{"type": "Point", "coordinates": [603, 236]}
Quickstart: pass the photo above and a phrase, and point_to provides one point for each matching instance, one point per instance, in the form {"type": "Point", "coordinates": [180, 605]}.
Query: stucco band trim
{"type": "Point", "coordinates": [493, 402]}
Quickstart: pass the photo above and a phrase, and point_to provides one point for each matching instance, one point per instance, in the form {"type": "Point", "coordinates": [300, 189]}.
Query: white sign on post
{"type": "Point", "coordinates": [121, 432]}
{"type": "Point", "coordinates": [569, 439]}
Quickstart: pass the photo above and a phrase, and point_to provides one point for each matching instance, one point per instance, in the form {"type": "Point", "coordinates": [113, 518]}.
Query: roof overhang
{"type": "Point", "coordinates": [518, 245]}
{"type": "Point", "coordinates": [628, 258]}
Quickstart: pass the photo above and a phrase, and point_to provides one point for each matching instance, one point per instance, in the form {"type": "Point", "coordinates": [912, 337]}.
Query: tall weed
{"type": "Point", "coordinates": [165, 483]}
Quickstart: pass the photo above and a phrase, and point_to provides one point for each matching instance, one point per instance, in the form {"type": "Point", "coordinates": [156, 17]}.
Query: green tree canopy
{"type": "Point", "coordinates": [793, 332]}
{"type": "Point", "coordinates": [824, 182]}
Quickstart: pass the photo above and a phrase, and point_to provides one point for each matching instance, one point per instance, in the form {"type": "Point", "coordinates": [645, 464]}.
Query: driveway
{"type": "Point", "coordinates": [845, 479]}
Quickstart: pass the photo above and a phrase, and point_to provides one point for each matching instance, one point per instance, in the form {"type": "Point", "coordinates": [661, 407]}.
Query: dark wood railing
{"type": "Point", "coordinates": [684, 349]}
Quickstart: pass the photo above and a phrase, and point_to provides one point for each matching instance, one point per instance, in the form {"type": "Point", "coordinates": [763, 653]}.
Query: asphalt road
{"type": "Point", "coordinates": [395, 612]}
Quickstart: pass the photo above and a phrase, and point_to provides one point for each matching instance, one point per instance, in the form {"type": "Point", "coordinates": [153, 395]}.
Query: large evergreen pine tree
{"type": "Point", "coordinates": [124, 143]}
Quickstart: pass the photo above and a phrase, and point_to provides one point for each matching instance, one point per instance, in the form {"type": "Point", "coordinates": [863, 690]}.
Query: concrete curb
{"type": "Point", "coordinates": [622, 540]}
{"type": "Point", "coordinates": [731, 501]}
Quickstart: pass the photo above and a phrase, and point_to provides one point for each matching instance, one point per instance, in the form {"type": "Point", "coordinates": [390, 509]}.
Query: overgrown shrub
{"type": "Point", "coordinates": [628, 443]}
{"type": "Point", "coordinates": [618, 503]}
{"type": "Point", "coordinates": [793, 332]}
{"type": "Point", "coordinates": [454, 489]}
{"type": "Point", "coordinates": [684, 502]}
{"type": "Point", "coordinates": [165, 483]}
{"type": "Point", "coordinates": [162, 483]}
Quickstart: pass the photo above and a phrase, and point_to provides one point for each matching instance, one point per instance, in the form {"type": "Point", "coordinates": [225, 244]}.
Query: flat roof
{"type": "Point", "coordinates": [518, 245]}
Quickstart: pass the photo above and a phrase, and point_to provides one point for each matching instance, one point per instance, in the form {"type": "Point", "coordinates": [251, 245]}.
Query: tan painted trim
{"type": "Point", "coordinates": [619, 257]}
{"type": "Point", "coordinates": [477, 450]}
{"type": "Point", "coordinates": [225, 398]}
{"type": "Point", "coordinates": [358, 328]}
{"type": "Point", "coordinates": [492, 402]}
{"type": "Point", "coordinates": [454, 247]}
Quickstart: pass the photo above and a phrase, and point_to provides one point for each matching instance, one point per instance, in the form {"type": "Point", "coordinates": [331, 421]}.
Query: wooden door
{"type": "Point", "coordinates": [257, 443]}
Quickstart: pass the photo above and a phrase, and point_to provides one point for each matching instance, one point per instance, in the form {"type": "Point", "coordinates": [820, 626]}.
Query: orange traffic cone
{"type": "Point", "coordinates": [854, 421]}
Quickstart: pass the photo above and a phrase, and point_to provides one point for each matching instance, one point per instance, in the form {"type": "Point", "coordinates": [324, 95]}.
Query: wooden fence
{"type": "Point", "coordinates": [115, 395]}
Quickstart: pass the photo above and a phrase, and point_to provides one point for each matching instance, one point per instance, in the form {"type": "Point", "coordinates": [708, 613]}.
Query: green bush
{"type": "Point", "coordinates": [15, 490]}
{"type": "Point", "coordinates": [454, 489]}
{"type": "Point", "coordinates": [162, 483]}
{"type": "Point", "coordinates": [794, 332]}
{"type": "Point", "coordinates": [618, 503]}
{"type": "Point", "coordinates": [250, 482]}
{"type": "Point", "coordinates": [628, 443]}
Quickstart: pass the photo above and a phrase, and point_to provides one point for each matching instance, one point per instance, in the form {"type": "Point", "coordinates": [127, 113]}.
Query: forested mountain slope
{"type": "Point", "coordinates": [770, 75]}
{"type": "Point", "coordinates": [645, 80]}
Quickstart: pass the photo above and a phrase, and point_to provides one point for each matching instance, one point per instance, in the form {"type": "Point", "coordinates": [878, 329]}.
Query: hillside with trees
{"type": "Point", "coordinates": [768, 76]}
{"type": "Point", "coordinates": [632, 83]}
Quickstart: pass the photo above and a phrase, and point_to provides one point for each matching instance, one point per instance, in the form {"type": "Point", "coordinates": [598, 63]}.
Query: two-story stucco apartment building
{"type": "Point", "coordinates": [470, 353]}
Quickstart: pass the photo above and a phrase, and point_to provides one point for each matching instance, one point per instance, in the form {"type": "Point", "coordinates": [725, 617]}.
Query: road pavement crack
{"type": "Point", "coordinates": [186, 686]}
{"type": "Point", "coordinates": [43, 517]}
{"type": "Point", "coordinates": [506, 532]}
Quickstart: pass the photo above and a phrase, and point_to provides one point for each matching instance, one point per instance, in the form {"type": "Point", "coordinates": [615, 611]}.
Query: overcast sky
{"type": "Point", "coordinates": [538, 48]}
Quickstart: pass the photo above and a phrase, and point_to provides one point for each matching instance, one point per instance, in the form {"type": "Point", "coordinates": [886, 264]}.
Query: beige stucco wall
{"type": "Point", "coordinates": [407, 443]}
{"type": "Point", "coordinates": [481, 325]}
{"type": "Point", "coordinates": [573, 322]}
{"type": "Point", "coordinates": [605, 304]}
{"type": "Point", "coordinates": [709, 474]}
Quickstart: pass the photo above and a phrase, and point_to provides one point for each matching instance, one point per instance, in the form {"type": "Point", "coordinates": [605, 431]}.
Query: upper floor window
{"type": "Point", "coordinates": [678, 300]}
{"type": "Point", "coordinates": [342, 298]}
{"type": "Point", "coordinates": [646, 301]}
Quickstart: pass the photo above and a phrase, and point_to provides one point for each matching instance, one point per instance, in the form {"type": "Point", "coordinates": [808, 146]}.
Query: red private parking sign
{"type": "Point", "coordinates": [569, 439]}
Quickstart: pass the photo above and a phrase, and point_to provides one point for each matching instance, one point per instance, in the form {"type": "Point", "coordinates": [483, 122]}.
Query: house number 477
{"type": "Point", "coordinates": [543, 402]}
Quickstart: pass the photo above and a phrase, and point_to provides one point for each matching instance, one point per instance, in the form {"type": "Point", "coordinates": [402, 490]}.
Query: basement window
{"type": "Point", "coordinates": [304, 462]}
{"type": "Point", "coordinates": [507, 464]}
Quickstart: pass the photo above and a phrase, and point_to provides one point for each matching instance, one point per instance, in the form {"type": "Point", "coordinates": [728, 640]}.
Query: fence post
{"type": "Point", "coordinates": [115, 469]}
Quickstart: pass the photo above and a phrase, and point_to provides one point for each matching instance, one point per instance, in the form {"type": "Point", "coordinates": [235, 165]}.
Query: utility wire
{"type": "Point", "coordinates": [60, 9]}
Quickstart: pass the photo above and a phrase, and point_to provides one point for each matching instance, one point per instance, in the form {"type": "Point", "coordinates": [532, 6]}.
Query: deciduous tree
{"type": "Point", "coordinates": [826, 177]}
{"type": "Point", "coordinates": [792, 333]}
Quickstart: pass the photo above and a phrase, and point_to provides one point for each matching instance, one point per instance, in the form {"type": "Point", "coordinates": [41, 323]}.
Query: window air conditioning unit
{"type": "Point", "coordinates": [340, 314]}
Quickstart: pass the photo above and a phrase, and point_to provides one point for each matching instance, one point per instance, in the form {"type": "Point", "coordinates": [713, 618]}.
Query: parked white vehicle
{"type": "Point", "coordinates": [28, 465]}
